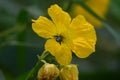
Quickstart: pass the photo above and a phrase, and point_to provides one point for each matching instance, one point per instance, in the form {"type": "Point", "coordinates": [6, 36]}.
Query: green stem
{"type": "Point", "coordinates": [39, 63]}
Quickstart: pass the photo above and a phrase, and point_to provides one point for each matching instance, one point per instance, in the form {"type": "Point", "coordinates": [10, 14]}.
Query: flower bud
{"type": "Point", "coordinates": [69, 72]}
{"type": "Point", "coordinates": [48, 72]}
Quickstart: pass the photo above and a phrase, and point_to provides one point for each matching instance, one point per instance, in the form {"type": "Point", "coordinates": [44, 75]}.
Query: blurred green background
{"type": "Point", "coordinates": [19, 45]}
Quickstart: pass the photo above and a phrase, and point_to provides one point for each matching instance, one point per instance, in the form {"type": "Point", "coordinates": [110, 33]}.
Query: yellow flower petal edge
{"type": "Point", "coordinates": [43, 27]}
{"type": "Point", "coordinates": [84, 38]}
{"type": "Point", "coordinates": [62, 52]}
{"type": "Point", "coordinates": [100, 7]}
{"type": "Point", "coordinates": [59, 17]}
{"type": "Point", "coordinates": [65, 36]}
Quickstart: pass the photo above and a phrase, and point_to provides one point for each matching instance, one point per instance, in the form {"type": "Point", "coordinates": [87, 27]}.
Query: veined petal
{"type": "Point", "coordinates": [79, 27]}
{"type": "Point", "coordinates": [43, 27]}
{"type": "Point", "coordinates": [83, 36]}
{"type": "Point", "coordinates": [82, 48]}
{"type": "Point", "coordinates": [59, 17]}
{"type": "Point", "coordinates": [61, 52]}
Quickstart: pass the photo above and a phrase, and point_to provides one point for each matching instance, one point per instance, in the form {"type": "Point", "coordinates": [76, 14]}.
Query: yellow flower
{"type": "Point", "coordinates": [100, 7]}
{"type": "Point", "coordinates": [69, 72]}
{"type": "Point", "coordinates": [64, 35]}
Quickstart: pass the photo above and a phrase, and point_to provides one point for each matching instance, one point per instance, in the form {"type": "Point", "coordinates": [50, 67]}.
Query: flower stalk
{"type": "Point", "coordinates": [39, 63]}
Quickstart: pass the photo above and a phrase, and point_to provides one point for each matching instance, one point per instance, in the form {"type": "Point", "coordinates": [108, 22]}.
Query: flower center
{"type": "Point", "coordinates": [59, 38]}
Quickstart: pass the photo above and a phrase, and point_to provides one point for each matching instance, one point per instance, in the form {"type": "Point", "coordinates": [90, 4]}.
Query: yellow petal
{"type": "Point", "coordinates": [61, 52]}
{"type": "Point", "coordinates": [82, 48]}
{"type": "Point", "coordinates": [43, 27]}
{"type": "Point", "coordinates": [79, 27]}
{"type": "Point", "coordinates": [59, 17]}
{"type": "Point", "coordinates": [83, 36]}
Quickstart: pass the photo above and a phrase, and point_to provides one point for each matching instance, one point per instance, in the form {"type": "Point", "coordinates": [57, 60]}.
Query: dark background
{"type": "Point", "coordinates": [19, 45]}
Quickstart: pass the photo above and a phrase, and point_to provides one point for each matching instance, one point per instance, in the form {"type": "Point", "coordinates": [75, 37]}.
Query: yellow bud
{"type": "Point", "coordinates": [69, 72]}
{"type": "Point", "coordinates": [48, 72]}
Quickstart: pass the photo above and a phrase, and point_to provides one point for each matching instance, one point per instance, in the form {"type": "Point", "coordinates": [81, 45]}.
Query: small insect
{"type": "Point", "coordinates": [58, 38]}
